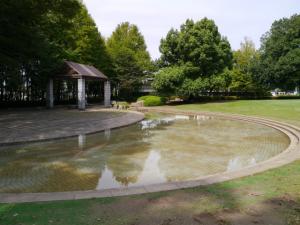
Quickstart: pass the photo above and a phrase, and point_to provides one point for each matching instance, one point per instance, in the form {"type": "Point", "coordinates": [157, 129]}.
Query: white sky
{"type": "Point", "coordinates": [235, 18]}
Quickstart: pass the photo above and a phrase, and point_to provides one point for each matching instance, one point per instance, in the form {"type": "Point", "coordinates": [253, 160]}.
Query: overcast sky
{"type": "Point", "coordinates": [236, 19]}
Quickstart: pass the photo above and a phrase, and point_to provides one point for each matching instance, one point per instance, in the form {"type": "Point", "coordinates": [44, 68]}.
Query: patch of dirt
{"type": "Point", "coordinates": [272, 212]}
{"type": "Point", "coordinates": [176, 210]}
{"type": "Point", "coordinates": [208, 219]}
{"type": "Point", "coordinates": [254, 216]}
{"type": "Point", "coordinates": [167, 222]}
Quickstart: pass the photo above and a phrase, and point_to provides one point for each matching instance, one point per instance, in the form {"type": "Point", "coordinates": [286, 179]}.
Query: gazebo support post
{"type": "Point", "coordinates": [107, 94]}
{"type": "Point", "coordinates": [81, 94]}
{"type": "Point", "coordinates": [50, 96]}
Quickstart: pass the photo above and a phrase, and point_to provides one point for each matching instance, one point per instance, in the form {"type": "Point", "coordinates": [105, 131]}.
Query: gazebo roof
{"type": "Point", "coordinates": [76, 70]}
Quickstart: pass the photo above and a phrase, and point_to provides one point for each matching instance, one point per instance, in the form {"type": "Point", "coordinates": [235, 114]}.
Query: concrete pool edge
{"type": "Point", "coordinates": [291, 154]}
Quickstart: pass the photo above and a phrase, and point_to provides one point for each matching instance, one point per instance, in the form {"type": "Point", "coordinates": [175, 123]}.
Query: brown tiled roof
{"type": "Point", "coordinates": [77, 70]}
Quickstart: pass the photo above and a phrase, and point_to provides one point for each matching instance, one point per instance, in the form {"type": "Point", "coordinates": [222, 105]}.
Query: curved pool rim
{"type": "Point", "coordinates": [292, 153]}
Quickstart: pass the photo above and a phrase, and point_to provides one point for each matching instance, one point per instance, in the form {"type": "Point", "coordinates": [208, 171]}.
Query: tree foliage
{"type": "Point", "coordinates": [29, 40]}
{"type": "Point", "coordinates": [279, 66]}
{"type": "Point", "coordinates": [131, 60]}
{"type": "Point", "coordinates": [198, 43]}
{"type": "Point", "coordinates": [197, 54]}
{"type": "Point", "coordinates": [36, 36]}
{"type": "Point", "coordinates": [242, 74]}
{"type": "Point", "coordinates": [85, 44]}
{"type": "Point", "coordinates": [244, 57]}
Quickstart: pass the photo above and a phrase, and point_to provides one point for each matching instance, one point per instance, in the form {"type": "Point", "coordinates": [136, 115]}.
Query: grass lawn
{"type": "Point", "coordinates": [272, 197]}
{"type": "Point", "coordinates": [283, 110]}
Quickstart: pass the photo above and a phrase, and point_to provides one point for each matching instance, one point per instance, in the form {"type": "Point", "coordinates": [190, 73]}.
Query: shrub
{"type": "Point", "coordinates": [150, 100]}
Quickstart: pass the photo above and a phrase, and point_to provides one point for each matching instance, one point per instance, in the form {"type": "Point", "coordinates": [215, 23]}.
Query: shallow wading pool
{"type": "Point", "coordinates": [163, 149]}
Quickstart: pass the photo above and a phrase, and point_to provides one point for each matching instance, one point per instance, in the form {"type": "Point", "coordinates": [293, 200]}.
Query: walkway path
{"type": "Point", "coordinates": [36, 124]}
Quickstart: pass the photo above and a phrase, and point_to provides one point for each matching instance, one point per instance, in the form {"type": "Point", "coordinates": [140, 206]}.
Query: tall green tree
{"type": "Point", "coordinates": [203, 54]}
{"type": "Point", "coordinates": [131, 60]}
{"type": "Point", "coordinates": [198, 43]}
{"type": "Point", "coordinates": [84, 43]}
{"type": "Point", "coordinates": [279, 66]}
{"type": "Point", "coordinates": [242, 76]}
{"type": "Point", "coordinates": [245, 55]}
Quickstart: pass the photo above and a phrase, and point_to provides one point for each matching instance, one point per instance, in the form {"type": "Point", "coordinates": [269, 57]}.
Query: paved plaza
{"type": "Point", "coordinates": [26, 125]}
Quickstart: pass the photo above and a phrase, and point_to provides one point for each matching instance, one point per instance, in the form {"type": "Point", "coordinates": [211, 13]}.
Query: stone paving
{"type": "Point", "coordinates": [40, 124]}
{"type": "Point", "coordinates": [291, 154]}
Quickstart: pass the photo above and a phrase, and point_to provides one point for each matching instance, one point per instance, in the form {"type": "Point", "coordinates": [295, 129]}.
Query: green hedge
{"type": "Point", "coordinates": [150, 100]}
{"type": "Point", "coordinates": [287, 97]}
{"type": "Point", "coordinates": [231, 98]}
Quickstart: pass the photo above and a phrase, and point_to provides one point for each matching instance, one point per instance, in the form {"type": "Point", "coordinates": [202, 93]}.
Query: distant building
{"type": "Point", "coordinates": [278, 92]}
{"type": "Point", "coordinates": [146, 87]}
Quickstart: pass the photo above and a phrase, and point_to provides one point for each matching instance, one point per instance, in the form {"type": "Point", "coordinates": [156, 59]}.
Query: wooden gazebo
{"type": "Point", "coordinates": [81, 73]}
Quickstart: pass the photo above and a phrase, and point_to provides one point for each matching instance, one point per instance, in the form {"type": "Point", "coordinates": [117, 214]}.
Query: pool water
{"type": "Point", "coordinates": [167, 148]}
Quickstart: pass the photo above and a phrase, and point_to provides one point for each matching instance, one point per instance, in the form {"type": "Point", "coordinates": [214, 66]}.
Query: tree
{"type": "Point", "coordinates": [181, 81]}
{"type": "Point", "coordinates": [168, 81]}
{"type": "Point", "coordinates": [245, 55]}
{"type": "Point", "coordinates": [29, 43]}
{"type": "Point", "coordinates": [197, 43]}
{"type": "Point", "coordinates": [203, 54]}
{"type": "Point", "coordinates": [242, 75]}
{"type": "Point", "coordinates": [36, 36]}
{"type": "Point", "coordinates": [85, 44]}
{"type": "Point", "coordinates": [131, 60]}
{"type": "Point", "coordinates": [280, 55]}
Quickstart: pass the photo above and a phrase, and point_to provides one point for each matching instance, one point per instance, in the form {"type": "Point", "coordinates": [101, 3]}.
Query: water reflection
{"type": "Point", "coordinates": [150, 174]}
{"type": "Point", "coordinates": [240, 162]}
{"type": "Point", "coordinates": [107, 133]}
{"type": "Point", "coordinates": [81, 141]}
{"type": "Point", "coordinates": [169, 148]}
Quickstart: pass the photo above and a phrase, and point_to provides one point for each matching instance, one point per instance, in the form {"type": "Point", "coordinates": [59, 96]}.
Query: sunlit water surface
{"type": "Point", "coordinates": [168, 148]}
